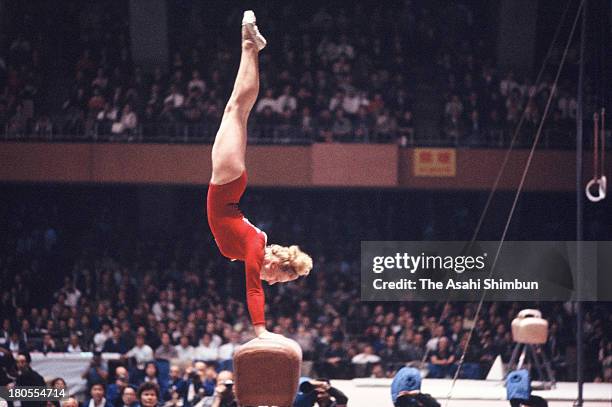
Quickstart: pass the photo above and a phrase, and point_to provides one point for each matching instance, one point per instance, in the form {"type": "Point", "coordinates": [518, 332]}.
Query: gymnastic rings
{"type": "Point", "coordinates": [599, 180]}
{"type": "Point", "coordinates": [602, 188]}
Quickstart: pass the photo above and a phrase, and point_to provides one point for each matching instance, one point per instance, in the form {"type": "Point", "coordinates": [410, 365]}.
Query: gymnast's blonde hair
{"type": "Point", "coordinates": [291, 259]}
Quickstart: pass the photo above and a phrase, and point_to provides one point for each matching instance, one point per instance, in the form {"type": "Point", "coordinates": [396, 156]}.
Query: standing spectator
{"type": "Point", "coordinates": [97, 370]}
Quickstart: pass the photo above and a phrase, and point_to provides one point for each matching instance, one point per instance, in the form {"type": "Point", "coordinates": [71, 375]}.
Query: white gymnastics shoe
{"type": "Point", "coordinates": [250, 30]}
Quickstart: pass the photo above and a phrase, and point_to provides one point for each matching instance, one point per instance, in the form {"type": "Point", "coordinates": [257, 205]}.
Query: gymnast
{"type": "Point", "coordinates": [236, 237]}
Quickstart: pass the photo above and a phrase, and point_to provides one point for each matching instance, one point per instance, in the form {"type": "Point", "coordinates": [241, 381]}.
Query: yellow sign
{"type": "Point", "coordinates": [435, 162]}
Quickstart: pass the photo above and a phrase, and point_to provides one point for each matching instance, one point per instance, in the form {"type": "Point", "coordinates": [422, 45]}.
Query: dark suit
{"type": "Point", "coordinates": [30, 377]}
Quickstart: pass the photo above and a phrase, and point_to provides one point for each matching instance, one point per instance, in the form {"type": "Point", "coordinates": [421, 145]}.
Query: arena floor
{"type": "Point", "coordinates": [472, 393]}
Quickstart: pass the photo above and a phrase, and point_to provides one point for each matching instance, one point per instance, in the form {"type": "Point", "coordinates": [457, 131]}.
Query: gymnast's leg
{"type": "Point", "coordinates": [229, 149]}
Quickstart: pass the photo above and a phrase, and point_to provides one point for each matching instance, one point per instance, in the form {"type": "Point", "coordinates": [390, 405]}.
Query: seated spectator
{"type": "Point", "coordinates": [286, 101]}
{"type": "Point", "coordinates": [342, 127]}
{"type": "Point", "coordinates": [377, 372]}
{"type": "Point", "coordinates": [267, 101]}
{"type": "Point", "coordinates": [385, 126]}
{"type": "Point", "coordinates": [223, 395]}
{"type": "Point", "coordinates": [184, 350]}
{"type": "Point", "coordinates": [196, 82]}
{"type": "Point", "coordinates": [115, 343]}
{"type": "Point", "coordinates": [442, 360]}
{"type": "Point", "coordinates": [113, 390]}
{"type": "Point", "coordinates": [127, 397]}
{"type": "Point", "coordinates": [176, 388]}
{"type": "Point", "coordinates": [26, 375]}
{"type": "Point", "coordinates": [325, 125]}
{"type": "Point", "coordinates": [175, 98]}
{"type": "Point", "coordinates": [101, 337]}
{"type": "Point", "coordinates": [141, 352]}
{"type": "Point", "coordinates": [206, 351]}
{"type": "Point", "coordinates": [128, 122]}
{"type": "Point", "coordinates": [267, 121]}
{"type": "Point", "coordinates": [454, 129]}
{"type": "Point", "coordinates": [470, 368]}
{"type": "Point", "coordinates": [16, 344]}
{"type": "Point", "coordinates": [166, 351]}
{"type": "Point", "coordinates": [96, 396]}
{"type": "Point", "coordinates": [43, 127]}
{"type": "Point", "coordinates": [106, 118]}
{"type": "Point", "coordinates": [148, 395]}
{"type": "Point", "coordinates": [335, 361]}
{"type": "Point", "coordinates": [48, 345]}
{"type": "Point", "coordinates": [201, 383]}
{"type": "Point", "coordinates": [151, 375]}
{"type": "Point", "coordinates": [405, 126]}
{"type": "Point", "coordinates": [363, 359]}
{"type": "Point", "coordinates": [227, 350]}
{"type": "Point", "coordinates": [96, 102]}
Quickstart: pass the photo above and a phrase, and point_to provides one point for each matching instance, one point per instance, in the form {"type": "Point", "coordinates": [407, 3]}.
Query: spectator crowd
{"type": "Point", "coordinates": [329, 74]}
{"type": "Point", "coordinates": [174, 309]}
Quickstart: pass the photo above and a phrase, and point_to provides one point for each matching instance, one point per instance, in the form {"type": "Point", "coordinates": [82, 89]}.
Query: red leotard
{"type": "Point", "coordinates": [238, 239]}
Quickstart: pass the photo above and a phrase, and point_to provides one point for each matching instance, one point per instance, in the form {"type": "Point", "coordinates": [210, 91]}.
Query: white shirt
{"type": "Point", "coordinates": [92, 403]}
{"type": "Point", "coordinates": [206, 353]}
{"type": "Point", "coordinates": [74, 349]}
{"type": "Point", "coordinates": [266, 102]}
{"type": "Point", "coordinates": [227, 351]}
{"type": "Point", "coordinates": [100, 338]}
{"type": "Point", "coordinates": [142, 355]}
{"type": "Point", "coordinates": [184, 354]}
{"type": "Point", "coordinates": [176, 98]}
{"type": "Point", "coordinates": [351, 104]}
{"type": "Point", "coordinates": [363, 358]}
{"type": "Point", "coordinates": [197, 83]}
{"type": "Point", "coordinates": [286, 101]}
{"type": "Point", "coordinates": [72, 298]}
{"type": "Point", "coordinates": [129, 120]}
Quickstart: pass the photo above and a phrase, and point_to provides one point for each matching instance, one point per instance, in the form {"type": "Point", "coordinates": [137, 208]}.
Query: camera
{"type": "Point", "coordinates": [229, 384]}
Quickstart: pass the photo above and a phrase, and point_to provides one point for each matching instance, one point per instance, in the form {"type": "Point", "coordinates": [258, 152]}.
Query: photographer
{"type": "Point", "coordinates": [224, 392]}
{"type": "Point", "coordinates": [320, 391]}
{"type": "Point", "coordinates": [406, 390]}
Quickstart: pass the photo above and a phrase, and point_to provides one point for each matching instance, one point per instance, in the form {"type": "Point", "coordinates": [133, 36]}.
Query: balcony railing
{"type": "Point", "coordinates": [183, 133]}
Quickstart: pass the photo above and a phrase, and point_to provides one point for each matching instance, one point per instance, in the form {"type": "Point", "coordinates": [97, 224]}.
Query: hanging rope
{"type": "Point", "coordinates": [516, 198]}
{"type": "Point", "coordinates": [509, 150]}
{"type": "Point", "coordinates": [599, 180]}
